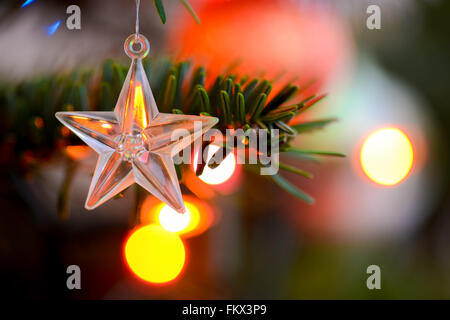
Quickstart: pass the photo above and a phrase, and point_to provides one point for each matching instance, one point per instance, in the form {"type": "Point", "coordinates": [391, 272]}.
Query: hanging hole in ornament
{"type": "Point", "coordinates": [137, 46]}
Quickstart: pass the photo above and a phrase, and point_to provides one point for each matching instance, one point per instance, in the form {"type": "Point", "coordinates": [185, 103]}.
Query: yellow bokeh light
{"type": "Point", "coordinates": [387, 156]}
{"type": "Point", "coordinates": [154, 254]}
{"type": "Point", "coordinates": [200, 216]}
{"type": "Point", "coordinates": [220, 174]}
{"type": "Point", "coordinates": [182, 223]}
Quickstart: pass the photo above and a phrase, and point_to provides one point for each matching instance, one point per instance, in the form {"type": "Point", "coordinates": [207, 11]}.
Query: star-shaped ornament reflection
{"type": "Point", "coordinates": [135, 142]}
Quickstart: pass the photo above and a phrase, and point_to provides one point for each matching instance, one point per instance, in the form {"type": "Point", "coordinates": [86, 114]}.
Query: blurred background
{"type": "Point", "coordinates": [387, 203]}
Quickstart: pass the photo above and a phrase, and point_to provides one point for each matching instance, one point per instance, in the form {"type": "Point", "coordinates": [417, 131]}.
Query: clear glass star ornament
{"type": "Point", "coordinates": [134, 142]}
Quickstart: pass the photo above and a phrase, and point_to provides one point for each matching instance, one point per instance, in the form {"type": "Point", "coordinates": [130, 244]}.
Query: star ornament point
{"type": "Point", "coordinates": [134, 143]}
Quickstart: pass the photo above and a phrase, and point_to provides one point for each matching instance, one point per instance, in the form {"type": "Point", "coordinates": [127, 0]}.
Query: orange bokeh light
{"type": "Point", "coordinates": [78, 152]}
{"type": "Point", "coordinates": [387, 156]}
{"type": "Point", "coordinates": [154, 254]}
{"type": "Point", "coordinates": [287, 30]}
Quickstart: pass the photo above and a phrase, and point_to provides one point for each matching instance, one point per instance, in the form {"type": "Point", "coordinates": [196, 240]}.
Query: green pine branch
{"type": "Point", "coordinates": [28, 125]}
{"type": "Point", "coordinates": [162, 13]}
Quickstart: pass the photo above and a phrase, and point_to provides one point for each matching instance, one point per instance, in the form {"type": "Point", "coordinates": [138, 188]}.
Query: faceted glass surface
{"type": "Point", "coordinates": [134, 142]}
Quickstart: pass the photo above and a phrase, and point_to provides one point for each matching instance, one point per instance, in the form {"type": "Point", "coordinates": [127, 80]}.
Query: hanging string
{"type": "Point", "coordinates": [136, 46]}
{"type": "Point", "coordinates": [138, 3]}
